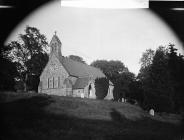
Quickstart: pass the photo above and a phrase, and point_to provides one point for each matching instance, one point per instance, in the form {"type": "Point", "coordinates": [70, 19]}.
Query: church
{"type": "Point", "coordinates": [65, 77]}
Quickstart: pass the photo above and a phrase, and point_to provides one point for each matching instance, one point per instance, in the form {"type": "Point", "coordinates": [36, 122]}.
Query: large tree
{"type": "Point", "coordinates": [112, 68]}
{"type": "Point", "coordinates": [162, 80]}
{"type": "Point", "coordinates": [176, 68]}
{"type": "Point", "coordinates": [30, 53]}
{"type": "Point", "coordinates": [118, 74]}
{"type": "Point", "coordinates": [146, 61]}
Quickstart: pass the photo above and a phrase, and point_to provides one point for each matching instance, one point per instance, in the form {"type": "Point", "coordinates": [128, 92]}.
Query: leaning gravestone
{"type": "Point", "coordinates": [152, 112]}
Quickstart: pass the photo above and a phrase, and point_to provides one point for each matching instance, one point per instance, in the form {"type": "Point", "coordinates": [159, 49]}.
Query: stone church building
{"type": "Point", "coordinates": [65, 77]}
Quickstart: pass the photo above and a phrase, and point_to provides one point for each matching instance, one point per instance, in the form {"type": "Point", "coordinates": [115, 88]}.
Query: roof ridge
{"type": "Point", "coordinates": [83, 63]}
{"type": "Point", "coordinates": [79, 69]}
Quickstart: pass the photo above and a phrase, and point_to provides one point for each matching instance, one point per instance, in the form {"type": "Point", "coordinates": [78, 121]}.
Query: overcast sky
{"type": "Point", "coordinates": [95, 33]}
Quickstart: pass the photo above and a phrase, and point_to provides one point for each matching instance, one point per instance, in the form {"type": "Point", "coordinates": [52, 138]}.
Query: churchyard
{"type": "Point", "coordinates": [32, 116]}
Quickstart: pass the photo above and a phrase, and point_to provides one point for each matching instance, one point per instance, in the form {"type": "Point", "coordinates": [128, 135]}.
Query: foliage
{"type": "Point", "coordinates": [136, 91]}
{"type": "Point", "coordinates": [30, 55]}
{"type": "Point", "coordinates": [101, 87]}
{"type": "Point", "coordinates": [159, 102]}
{"type": "Point", "coordinates": [147, 58]}
{"type": "Point", "coordinates": [19, 86]}
{"type": "Point", "coordinates": [8, 70]}
{"type": "Point", "coordinates": [122, 85]}
{"type": "Point", "coordinates": [118, 74]}
{"type": "Point", "coordinates": [8, 73]}
{"type": "Point", "coordinates": [77, 58]}
{"type": "Point", "coordinates": [176, 68]}
{"type": "Point", "coordinates": [162, 80]}
{"type": "Point", "coordinates": [110, 68]}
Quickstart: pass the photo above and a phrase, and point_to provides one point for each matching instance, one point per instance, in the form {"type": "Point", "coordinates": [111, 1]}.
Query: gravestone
{"type": "Point", "coordinates": [82, 95]}
{"type": "Point", "coordinates": [152, 112]}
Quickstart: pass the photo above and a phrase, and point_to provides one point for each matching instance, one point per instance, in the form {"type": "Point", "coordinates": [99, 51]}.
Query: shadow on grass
{"type": "Point", "coordinates": [26, 119]}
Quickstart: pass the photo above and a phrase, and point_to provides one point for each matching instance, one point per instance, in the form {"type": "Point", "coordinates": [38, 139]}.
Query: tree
{"type": "Point", "coordinates": [162, 80]}
{"type": "Point", "coordinates": [147, 58]}
{"type": "Point", "coordinates": [110, 68]}
{"type": "Point", "coordinates": [136, 91]}
{"type": "Point", "coordinates": [77, 58]}
{"type": "Point", "coordinates": [101, 87]}
{"type": "Point", "coordinates": [30, 54]}
{"type": "Point", "coordinates": [122, 85]}
{"type": "Point", "coordinates": [118, 74]}
{"type": "Point", "coordinates": [176, 67]}
{"type": "Point", "coordinates": [8, 71]}
{"type": "Point", "coordinates": [146, 61]}
{"type": "Point", "coordinates": [156, 81]}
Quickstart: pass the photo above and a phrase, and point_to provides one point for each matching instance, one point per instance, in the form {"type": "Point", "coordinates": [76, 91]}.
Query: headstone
{"type": "Point", "coordinates": [152, 112]}
{"type": "Point", "coordinates": [82, 95]}
{"type": "Point", "coordinates": [123, 100]}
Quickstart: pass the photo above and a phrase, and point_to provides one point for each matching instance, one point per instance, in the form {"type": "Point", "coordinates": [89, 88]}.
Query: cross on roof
{"type": "Point", "coordinates": [55, 32]}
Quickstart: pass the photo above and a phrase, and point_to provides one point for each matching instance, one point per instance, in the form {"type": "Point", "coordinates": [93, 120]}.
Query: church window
{"type": "Point", "coordinates": [46, 85]}
{"type": "Point", "coordinates": [59, 82]}
{"type": "Point", "coordinates": [51, 82]}
{"type": "Point", "coordinates": [56, 82]}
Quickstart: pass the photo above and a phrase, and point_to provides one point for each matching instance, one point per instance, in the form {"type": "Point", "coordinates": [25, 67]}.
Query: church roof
{"type": "Point", "coordinates": [78, 69]}
{"type": "Point", "coordinates": [81, 83]}
{"type": "Point", "coordinates": [82, 71]}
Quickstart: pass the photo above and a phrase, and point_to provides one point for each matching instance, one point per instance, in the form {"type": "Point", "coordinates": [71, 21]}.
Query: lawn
{"type": "Point", "coordinates": [31, 116]}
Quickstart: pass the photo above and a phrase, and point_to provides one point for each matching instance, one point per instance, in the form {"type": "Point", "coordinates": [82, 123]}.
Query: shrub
{"type": "Point", "coordinates": [160, 103]}
{"type": "Point", "coordinates": [101, 87]}
{"type": "Point", "coordinates": [19, 86]}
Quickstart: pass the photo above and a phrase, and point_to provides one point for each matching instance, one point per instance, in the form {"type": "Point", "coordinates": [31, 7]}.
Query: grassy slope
{"type": "Point", "coordinates": [52, 117]}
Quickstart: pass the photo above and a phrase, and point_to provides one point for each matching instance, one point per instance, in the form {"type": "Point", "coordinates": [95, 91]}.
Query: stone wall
{"type": "Point", "coordinates": [78, 92]}
{"type": "Point", "coordinates": [52, 78]}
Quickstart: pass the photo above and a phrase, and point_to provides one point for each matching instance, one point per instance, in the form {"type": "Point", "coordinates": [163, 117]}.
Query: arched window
{"type": "Point", "coordinates": [51, 82]}
{"type": "Point", "coordinates": [56, 82]}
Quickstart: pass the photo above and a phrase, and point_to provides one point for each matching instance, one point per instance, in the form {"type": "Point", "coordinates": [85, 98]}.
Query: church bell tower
{"type": "Point", "coordinates": [55, 46]}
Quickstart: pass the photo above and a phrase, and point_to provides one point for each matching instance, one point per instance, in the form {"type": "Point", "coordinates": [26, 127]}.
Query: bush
{"type": "Point", "coordinates": [132, 101]}
{"type": "Point", "coordinates": [101, 87]}
{"type": "Point", "coordinates": [159, 103]}
{"type": "Point", "coordinates": [19, 86]}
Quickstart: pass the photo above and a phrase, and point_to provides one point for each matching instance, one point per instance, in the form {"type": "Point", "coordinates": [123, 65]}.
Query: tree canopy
{"type": "Point", "coordinates": [162, 79]}
{"type": "Point", "coordinates": [118, 74]}
{"type": "Point", "coordinates": [8, 70]}
{"type": "Point", "coordinates": [30, 55]}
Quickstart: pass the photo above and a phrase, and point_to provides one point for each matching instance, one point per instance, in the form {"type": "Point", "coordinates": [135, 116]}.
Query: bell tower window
{"type": "Point", "coordinates": [55, 45]}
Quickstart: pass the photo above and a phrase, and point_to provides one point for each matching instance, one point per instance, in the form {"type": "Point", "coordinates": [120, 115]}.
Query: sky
{"type": "Point", "coordinates": [101, 33]}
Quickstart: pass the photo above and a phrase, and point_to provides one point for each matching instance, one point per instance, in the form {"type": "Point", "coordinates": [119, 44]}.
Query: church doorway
{"type": "Point", "coordinates": [90, 91]}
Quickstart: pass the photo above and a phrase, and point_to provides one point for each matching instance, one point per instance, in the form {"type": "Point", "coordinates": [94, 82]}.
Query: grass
{"type": "Point", "coordinates": [39, 116]}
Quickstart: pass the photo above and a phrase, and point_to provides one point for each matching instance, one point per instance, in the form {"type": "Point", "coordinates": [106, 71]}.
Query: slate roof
{"type": "Point", "coordinates": [81, 83]}
{"type": "Point", "coordinates": [78, 69]}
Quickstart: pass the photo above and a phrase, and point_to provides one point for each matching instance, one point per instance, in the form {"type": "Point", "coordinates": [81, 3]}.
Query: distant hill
{"type": "Point", "coordinates": [38, 116]}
